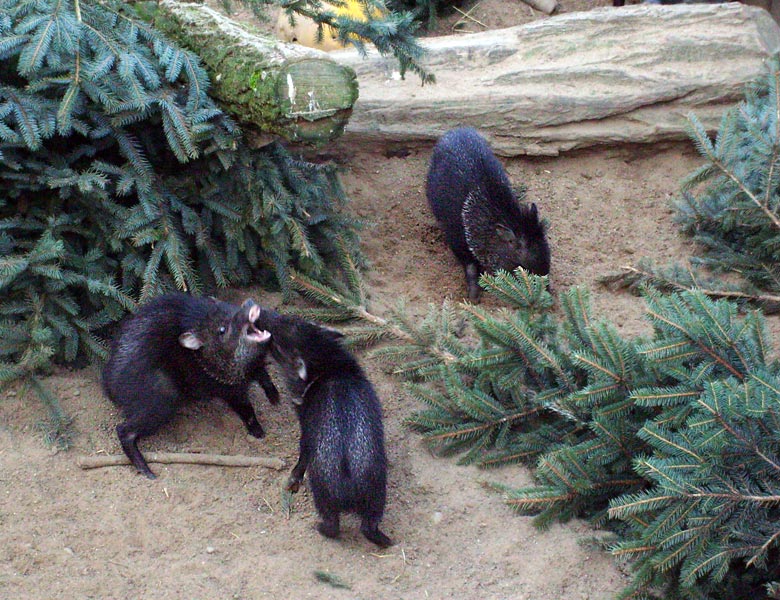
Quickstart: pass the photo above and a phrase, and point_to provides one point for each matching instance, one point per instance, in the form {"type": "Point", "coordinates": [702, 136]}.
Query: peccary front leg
{"type": "Point", "coordinates": [241, 404]}
{"type": "Point", "coordinates": [264, 379]}
{"type": "Point", "coordinates": [472, 281]}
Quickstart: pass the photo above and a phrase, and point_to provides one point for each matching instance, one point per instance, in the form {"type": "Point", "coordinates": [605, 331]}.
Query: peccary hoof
{"type": "Point", "coordinates": [293, 485]}
{"type": "Point", "coordinates": [256, 430]}
{"type": "Point", "coordinates": [377, 537]}
{"type": "Point", "coordinates": [328, 529]}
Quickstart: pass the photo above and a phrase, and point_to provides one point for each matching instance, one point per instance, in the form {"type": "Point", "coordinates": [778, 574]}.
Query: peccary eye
{"type": "Point", "coordinates": [222, 330]}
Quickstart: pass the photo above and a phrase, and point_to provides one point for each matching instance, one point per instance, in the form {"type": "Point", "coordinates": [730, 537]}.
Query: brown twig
{"type": "Point", "coordinates": [713, 293]}
{"type": "Point", "coordinates": [467, 15]}
{"type": "Point", "coordinates": [187, 458]}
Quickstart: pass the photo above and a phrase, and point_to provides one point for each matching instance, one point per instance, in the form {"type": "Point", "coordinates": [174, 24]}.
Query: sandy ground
{"type": "Point", "coordinates": [211, 532]}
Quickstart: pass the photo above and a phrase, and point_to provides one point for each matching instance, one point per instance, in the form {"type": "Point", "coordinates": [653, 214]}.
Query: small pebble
{"type": "Point", "coordinates": [209, 549]}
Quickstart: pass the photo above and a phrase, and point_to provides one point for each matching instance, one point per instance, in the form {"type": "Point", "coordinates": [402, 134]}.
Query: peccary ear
{"type": "Point", "coordinates": [334, 334]}
{"type": "Point", "coordinates": [190, 340]}
{"type": "Point", "coordinates": [505, 234]}
{"type": "Point", "coordinates": [300, 367]}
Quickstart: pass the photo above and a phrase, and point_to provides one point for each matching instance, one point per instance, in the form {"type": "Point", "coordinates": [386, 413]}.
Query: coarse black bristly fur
{"type": "Point", "coordinates": [342, 436]}
{"type": "Point", "coordinates": [180, 347]}
{"type": "Point", "coordinates": [483, 222]}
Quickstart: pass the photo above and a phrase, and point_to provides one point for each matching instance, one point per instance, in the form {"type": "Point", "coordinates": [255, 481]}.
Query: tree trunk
{"type": "Point", "coordinates": [605, 76]}
{"type": "Point", "coordinates": [285, 89]}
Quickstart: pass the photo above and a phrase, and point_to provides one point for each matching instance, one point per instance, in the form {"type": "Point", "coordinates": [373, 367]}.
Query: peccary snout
{"type": "Point", "coordinates": [483, 222]}
{"type": "Point", "coordinates": [180, 347]}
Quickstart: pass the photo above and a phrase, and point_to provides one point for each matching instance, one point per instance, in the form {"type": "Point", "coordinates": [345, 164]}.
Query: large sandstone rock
{"type": "Point", "coordinates": [606, 76]}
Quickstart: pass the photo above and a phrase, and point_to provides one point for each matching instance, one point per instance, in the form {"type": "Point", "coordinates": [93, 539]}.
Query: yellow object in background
{"type": "Point", "coordinates": [305, 30]}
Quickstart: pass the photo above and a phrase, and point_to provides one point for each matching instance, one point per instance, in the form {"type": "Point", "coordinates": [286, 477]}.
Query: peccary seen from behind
{"type": "Point", "coordinates": [180, 347]}
{"type": "Point", "coordinates": [342, 437]}
{"type": "Point", "coordinates": [484, 224]}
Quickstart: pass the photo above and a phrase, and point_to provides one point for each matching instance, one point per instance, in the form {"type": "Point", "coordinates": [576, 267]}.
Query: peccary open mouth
{"type": "Point", "coordinates": [252, 333]}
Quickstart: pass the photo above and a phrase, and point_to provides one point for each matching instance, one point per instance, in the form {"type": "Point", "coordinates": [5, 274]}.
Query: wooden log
{"type": "Point", "coordinates": [190, 458]}
{"type": "Point", "coordinates": [605, 76]}
{"type": "Point", "coordinates": [285, 89]}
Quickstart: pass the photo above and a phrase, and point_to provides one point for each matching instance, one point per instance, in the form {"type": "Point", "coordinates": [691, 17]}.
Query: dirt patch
{"type": "Point", "coordinates": [209, 532]}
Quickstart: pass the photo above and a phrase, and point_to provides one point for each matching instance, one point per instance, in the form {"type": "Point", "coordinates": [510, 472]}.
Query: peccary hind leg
{"type": "Point", "coordinates": [296, 475]}
{"type": "Point", "coordinates": [330, 525]}
{"type": "Point", "coordinates": [140, 426]}
{"type": "Point", "coordinates": [154, 407]}
{"type": "Point", "coordinates": [129, 440]}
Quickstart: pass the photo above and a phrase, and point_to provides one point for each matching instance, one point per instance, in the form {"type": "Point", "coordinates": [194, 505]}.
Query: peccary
{"type": "Point", "coordinates": [483, 222]}
{"type": "Point", "coordinates": [342, 437]}
{"type": "Point", "coordinates": [179, 347]}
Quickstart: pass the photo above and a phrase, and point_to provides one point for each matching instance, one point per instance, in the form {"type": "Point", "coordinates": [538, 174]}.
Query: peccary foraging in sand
{"type": "Point", "coordinates": [342, 437]}
{"type": "Point", "coordinates": [483, 222]}
{"type": "Point", "coordinates": [180, 347]}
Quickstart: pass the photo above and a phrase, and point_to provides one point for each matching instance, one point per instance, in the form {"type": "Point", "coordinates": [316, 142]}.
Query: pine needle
{"type": "Point", "coordinates": [332, 580]}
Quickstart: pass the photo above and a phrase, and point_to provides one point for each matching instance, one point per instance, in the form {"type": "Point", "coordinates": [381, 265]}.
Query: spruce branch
{"type": "Point", "coordinates": [124, 180]}
{"type": "Point", "coordinates": [632, 276]}
{"type": "Point", "coordinates": [702, 141]}
{"type": "Point", "coordinates": [349, 304]}
{"type": "Point", "coordinates": [391, 31]}
{"type": "Point", "coordinates": [730, 206]}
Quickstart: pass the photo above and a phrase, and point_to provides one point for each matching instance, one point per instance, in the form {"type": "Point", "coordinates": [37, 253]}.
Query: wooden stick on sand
{"type": "Point", "coordinates": [221, 460]}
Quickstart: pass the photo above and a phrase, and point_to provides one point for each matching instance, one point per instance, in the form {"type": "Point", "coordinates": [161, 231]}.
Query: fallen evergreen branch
{"type": "Point", "coordinates": [730, 206]}
{"type": "Point", "coordinates": [348, 304]}
{"type": "Point", "coordinates": [122, 180]}
{"type": "Point", "coordinates": [670, 440]}
{"type": "Point", "coordinates": [392, 31]}
{"type": "Point", "coordinates": [56, 429]}
{"type": "Point", "coordinates": [332, 580]}
{"type": "Point", "coordinates": [677, 278]}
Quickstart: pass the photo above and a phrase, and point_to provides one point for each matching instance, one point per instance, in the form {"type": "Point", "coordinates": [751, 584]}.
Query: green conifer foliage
{"type": "Point", "coordinates": [424, 10]}
{"type": "Point", "coordinates": [671, 440]}
{"type": "Point", "coordinates": [390, 31]}
{"type": "Point", "coordinates": [730, 206]}
{"type": "Point", "coordinates": [121, 179]}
